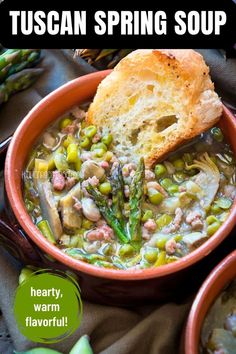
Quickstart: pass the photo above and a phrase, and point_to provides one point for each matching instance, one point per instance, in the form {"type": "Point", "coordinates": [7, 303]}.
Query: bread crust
{"type": "Point", "coordinates": [155, 100]}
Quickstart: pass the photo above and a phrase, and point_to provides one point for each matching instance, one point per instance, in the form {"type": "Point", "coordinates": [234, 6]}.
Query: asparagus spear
{"type": "Point", "coordinates": [107, 213]}
{"type": "Point", "coordinates": [18, 82]}
{"type": "Point", "coordinates": [117, 184]}
{"type": "Point", "coordinates": [16, 61]}
{"type": "Point", "coordinates": [136, 196]}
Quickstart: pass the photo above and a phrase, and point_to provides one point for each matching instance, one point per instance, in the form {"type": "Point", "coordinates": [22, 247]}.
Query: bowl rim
{"type": "Point", "coordinates": [35, 235]}
{"type": "Point", "coordinates": [192, 329]}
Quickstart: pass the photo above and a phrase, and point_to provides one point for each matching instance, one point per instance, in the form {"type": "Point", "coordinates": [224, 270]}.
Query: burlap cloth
{"type": "Point", "coordinates": [144, 330]}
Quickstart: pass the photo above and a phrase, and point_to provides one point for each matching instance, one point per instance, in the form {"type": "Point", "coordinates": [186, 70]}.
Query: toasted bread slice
{"type": "Point", "coordinates": [155, 100]}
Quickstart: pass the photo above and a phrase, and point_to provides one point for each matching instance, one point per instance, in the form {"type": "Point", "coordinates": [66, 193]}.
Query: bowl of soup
{"type": "Point", "coordinates": [211, 323]}
{"type": "Point", "coordinates": [128, 232]}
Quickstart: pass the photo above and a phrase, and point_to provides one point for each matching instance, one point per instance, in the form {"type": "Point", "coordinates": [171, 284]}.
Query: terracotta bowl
{"type": "Point", "coordinates": [97, 284]}
{"type": "Point", "coordinates": [218, 279]}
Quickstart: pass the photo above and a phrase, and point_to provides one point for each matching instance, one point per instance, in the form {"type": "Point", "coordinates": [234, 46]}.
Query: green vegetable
{"type": "Point", "coordinates": [90, 131]}
{"type": "Point", "coordinates": [44, 227]}
{"type": "Point", "coordinates": [217, 134]}
{"type": "Point", "coordinates": [178, 164]}
{"type": "Point", "coordinates": [40, 351]}
{"type": "Point", "coordinates": [82, 346]}
{"type": "Point", "coordinates": [72, 153]}
{"type": "Point", "coordinates": [105, 188]}
{"type": "Point", "coordinates": [174, 188]}
{"type": "Point", "coordinates": [99, 146]}
{"type": "Point", "coordinates": [215, 209]}
{"type": "Point", "coordinates": [87, 257]}
{"type": "Point", "coordinates": [161, 260]}
{"type": "Point", "coordinates": [18, 82]}
{"type": "Point", "coordinates": [224, 203]}
{"type": "Point", "coordinates": [151, 255]}
{"type": "Point", "coordinates": [25, 274]}
{"type": "Point", "coordinates": [60, 161]}
{"type": "Point", "coordinates": [187, 157]}
{"type": "Point", "coordinates": [117, 184]}
{"type": "Point", "coordinates": [166, 183]}
{"type": "Point", "coordinates": [107, 213]}
{"type": "Point", "coordinates": [211, 219]}
{"type": "Point", "coordinates": [65, 122]}
{"type": "Point", "coordinates": [107, 139]}
{"type": "Point", "coordinates": [179, 177]}
{"type": "Point", "coordinates": [99, 152]}
{"type": "Point", "coordinates": [155, 196]}
{"type": "Point", "coordinates": [161, 242]}
{"type": "Point", "coordinates": [212, 228]}
{"type": "Point", "coordinates": [85, 142]}
{"type": "Point", "coordinates": [126, 250]}
{"type": "Point", "coordinates": [163, 221]}
{"type": "Point", "coordinates": [160, 170]}
{"type": "Point", "coordinates": [147, 215]}
{"type": "Point", "coordinates": [135, 202]}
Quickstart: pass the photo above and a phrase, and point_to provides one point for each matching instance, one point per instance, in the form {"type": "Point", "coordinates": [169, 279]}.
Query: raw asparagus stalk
{"type": "Point", "coordinates": [107, 213]}
{"type": "Point", "coordinates": [117, 184]}
{"type": "Point", "coordinates": [135, 202]}
{"type": "Point", "coordinates": [18, 82]}
{"type": "Point", "coordinates": [16, 61]}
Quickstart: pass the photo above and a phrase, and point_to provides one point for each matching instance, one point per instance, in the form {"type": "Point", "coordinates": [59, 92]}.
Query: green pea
{"type": "Point", "coordinates": [178, 238]}
{"type": "Point", "coordinates": [147, 215]}
{"type": "Point", "coordinates": [163, 220]}
{"type": "Point", "coordinates": [211, 229]}
{"type": "Point", "coordinates": [211, 219]}
{"type": "Point", "coordinates": [178, 164]}
{"type": "Point", "coordinates": [160, 170]}
{"type": "Point", "coordinates": [174, 188]}
{"type": "Point", "coordinates": [98, 146]}
{"type": "Point", "coordinates": [65, 122]}
{"type": "Point", "coordinates": [151, 255]}
{"type": "Point", "coordinates": [126, 250]}
{"type": "Point", "coordinates": [90, 131]}
{"type": "Point", "coordinates": [161, 242]}
{"type": "Point", "coordinates": [25, 274]}
{"type": "Point", "coordinates": [166, 183]}
{"type": "Point", "coordinates": [224, 203]}
{"type": "Point", "coordinates": [215, 209]}
{"type": "Point", "coordinates": [179, 177]}
{"type": "Point", "coordinates": [217, 134]}
{"type": "Point", "coordinates": [78, 164]}
{"type": "Point", "coordinates": [107, 139]}
{"type": "Point", "coordinates": [85, 142]}
{"type": "Point", "coordinates": [105, 188]}
{"type": "Point", "coordinates": [99, 152]}
{"type": "Point", "coordinates": [155, 196]}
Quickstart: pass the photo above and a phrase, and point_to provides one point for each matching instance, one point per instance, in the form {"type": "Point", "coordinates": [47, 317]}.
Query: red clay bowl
{"type": "Point", "coordinates": [98, 284]}
{"type": "Point", "coordinates": [218, 279]}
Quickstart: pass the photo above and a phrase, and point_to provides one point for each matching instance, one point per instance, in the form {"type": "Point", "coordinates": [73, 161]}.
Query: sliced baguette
{"type": "Point", "coordinates": [155, 100]}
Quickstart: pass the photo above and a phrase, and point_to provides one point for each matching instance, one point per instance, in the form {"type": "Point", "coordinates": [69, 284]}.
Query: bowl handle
{"type": "Point", "coordinates": [13, 240]}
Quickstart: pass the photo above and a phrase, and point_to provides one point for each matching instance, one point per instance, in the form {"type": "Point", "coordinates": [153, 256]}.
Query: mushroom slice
{"type": "Point", "coordinates": [70, 218]}
{"type": "Point", "coordinates": [49, 207]}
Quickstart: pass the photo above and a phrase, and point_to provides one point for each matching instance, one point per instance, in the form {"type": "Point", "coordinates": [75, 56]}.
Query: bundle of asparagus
{"type": "Point", "coordinates": [102, 58]}
{"type": "Point", "coordinates": [15, 72]}
{"type": "Point", "coordinates": [128, 231]}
